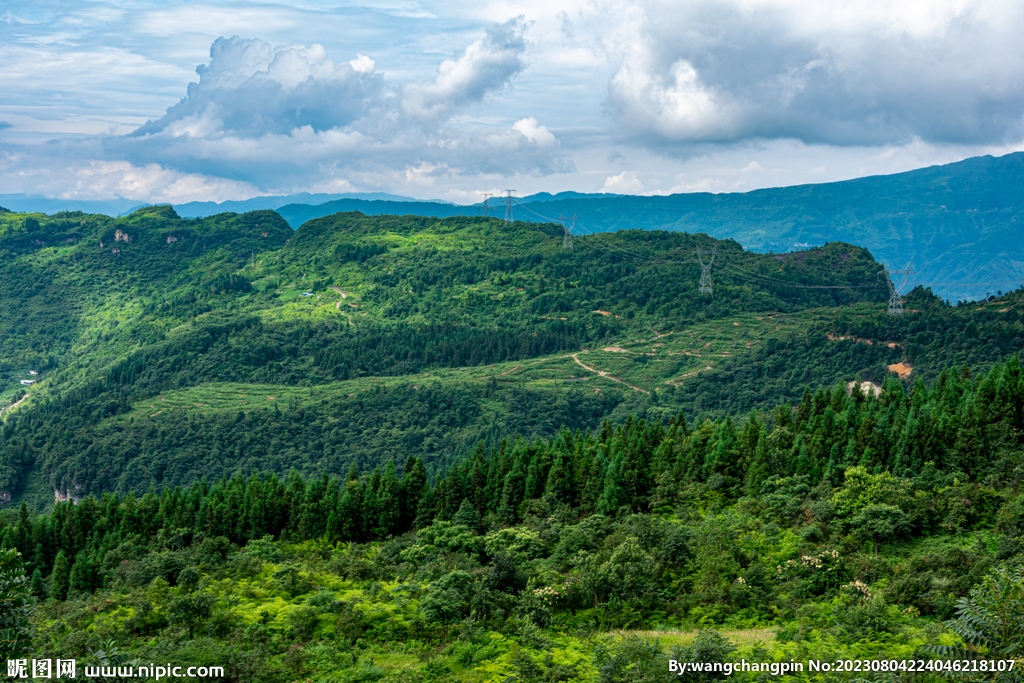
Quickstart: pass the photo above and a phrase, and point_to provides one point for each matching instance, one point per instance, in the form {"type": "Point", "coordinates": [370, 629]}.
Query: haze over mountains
{"type": "Point", "coordinates": [957, 224]}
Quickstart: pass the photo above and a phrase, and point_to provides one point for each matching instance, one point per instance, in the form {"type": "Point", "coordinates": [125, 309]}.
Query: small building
{"type": "Point", "coordinates": [33, 372]}
{"type": "Point", "coordinates": [28, 382]}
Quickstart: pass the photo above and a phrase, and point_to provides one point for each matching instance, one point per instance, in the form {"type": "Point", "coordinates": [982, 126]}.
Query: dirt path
{"type": "Point", "coordinates": [576, 357]}
{"type": "Point", "coordinates": [338, 290]}
{"type": "Point", "coordinates": [676, 382]}
{"type": "Point", "coordinates": [10, 409]}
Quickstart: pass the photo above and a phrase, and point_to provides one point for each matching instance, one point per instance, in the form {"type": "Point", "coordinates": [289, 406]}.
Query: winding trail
{"type": "Point", "coordinates": [606, 375]}
{"type": "Point", "coordinates": [10, 408]}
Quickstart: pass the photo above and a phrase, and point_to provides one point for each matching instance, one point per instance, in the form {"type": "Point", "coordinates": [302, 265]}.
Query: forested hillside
{"type": "Point", "coordinates": [170, 349]}
{"type": "Point", "coordinates": [845, 527]}
{"type": "Point", "coordinates": [408, 449]}
{"type": "Point", "coordinates": [957, 222]}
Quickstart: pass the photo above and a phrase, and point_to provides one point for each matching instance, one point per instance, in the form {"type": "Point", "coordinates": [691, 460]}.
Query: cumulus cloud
{"type": "Point", "coordinates": [721, 71]}
{"type": "Point", "coordinates": [266, 115]}
{"type": "Point", "coordinates": [623, 183]}
{"type": "Point", "coordinates": [485, 66]}
{"type": "Point", "coordinates": [534, 132]}
{"type": "Point", "coordinates": [65, 178]}
{"type": "Point", "coordinates": [250, 88]}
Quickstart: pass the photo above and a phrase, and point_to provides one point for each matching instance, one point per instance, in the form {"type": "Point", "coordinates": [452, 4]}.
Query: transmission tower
{"type": "Point", "coordinates": [509, 196]}
{"type": "Point", "coordinates": [567, 230]}
{"type": "Point", "coordinates": [705, 270]}
{"type": "Point", "coordinates": [485, 208]}
{"type": "Point", "coordinates": [895, 298]}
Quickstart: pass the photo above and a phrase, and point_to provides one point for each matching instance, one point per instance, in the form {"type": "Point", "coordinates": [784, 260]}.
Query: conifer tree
{"type": "Point", "coordinates": [60, 578]}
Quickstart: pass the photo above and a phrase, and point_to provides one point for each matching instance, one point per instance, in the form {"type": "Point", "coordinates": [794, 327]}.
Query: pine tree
{"type": "Point", "coordinates": [467, 516]}
{"type": "Point", "coordinates": [60, 578]}
{"type": "Point", "coordinates": [37, 586]}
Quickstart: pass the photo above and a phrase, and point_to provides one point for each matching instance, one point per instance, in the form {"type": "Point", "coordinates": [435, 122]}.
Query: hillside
{"type": "Point", "coordinates": [417, 450]}
{"type": "Point", "coordinates": [847, 527]}
{"type": "Point", "coordinates": [957, 223]}
{"type": "Point", "coordinates": [171, 349]}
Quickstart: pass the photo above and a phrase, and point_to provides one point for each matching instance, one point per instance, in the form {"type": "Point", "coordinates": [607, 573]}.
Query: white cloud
{"type": "Point", "coordinates": [534, 132]}
{"type": "Point", "coordinates": [362, 64]}
{"type": "Point", "coordinates": [485, 66]}
{"type": "Point", "coordinates": [720, 71]}
{"type": "Point", "coordinates": [109, 179]}
{"type": "Point", "coordinates": [253, 89]}
{"type": "Point", "coordinates": [624, 183]}
{"type": "Point", "coordinates": [287, 115]}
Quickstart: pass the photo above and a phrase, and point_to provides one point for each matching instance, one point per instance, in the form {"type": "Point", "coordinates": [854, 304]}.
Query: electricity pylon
{"type": "Point", "coordinates": [705, 270]}
{"type": "Point", "coordinates": [509, 196]}
{"type": "Point", "coordinates": [567, 230]}
{"type": "Point", "coordinates": [895, 298]}
{"type": "Point", "coordinates": [486, 209]}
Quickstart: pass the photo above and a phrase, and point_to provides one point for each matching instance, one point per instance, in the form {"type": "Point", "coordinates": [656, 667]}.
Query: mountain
{"type": "Point", "coordinates": [958, 223]}
{"type": "Point", "coordinates": [200, 209]}
{"type": "Point", "coordinates": [413, 450]}
{"type": "Point", "coordinates": [169, 349]}
{"type": "Point", "coordinates": [298, 213]}
{"type": "Point", "coordinates": [26, 203]}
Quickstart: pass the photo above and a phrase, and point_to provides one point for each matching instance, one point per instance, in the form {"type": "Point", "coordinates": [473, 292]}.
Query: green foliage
{"type": "Point", "coordinates": [189, 610]}
{"type": "Point", "coordinates": [16, 606]}
{"type": "Point", "coordinates": [993, 616]}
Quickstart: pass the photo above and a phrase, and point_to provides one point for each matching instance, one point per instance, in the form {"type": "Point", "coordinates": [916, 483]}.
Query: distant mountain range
{"type": "Point", "coordinates": [958, 223]}
{"type": "Point", "coordinates": [28, 203]}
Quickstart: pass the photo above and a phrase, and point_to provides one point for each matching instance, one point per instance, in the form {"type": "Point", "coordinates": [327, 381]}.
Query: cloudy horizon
{"type": "Point", "coordinates": [178, 102]}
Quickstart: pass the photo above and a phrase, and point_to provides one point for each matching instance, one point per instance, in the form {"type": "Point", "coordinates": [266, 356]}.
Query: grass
{"type": "Point", "coordinates": [747, 637]}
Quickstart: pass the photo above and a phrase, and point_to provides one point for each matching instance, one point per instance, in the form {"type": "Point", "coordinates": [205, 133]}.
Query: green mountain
{"type": "Point", "coordinates": [417, 450]}
{"type": "Point", "coordinates": [958, 223]}
{"type": "Point", "coordinates": [169, 350]}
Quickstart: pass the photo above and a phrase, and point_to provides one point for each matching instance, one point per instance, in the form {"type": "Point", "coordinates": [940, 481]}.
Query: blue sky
{"type": "Point", "coordinates": [170, 101]}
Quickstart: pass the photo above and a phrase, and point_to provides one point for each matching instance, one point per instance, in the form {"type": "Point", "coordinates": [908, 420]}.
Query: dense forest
{"type": "Point", "coordinates": [410, 449]}
{"type": "Point", "coordinates": [371, 338]}
{"type": "Point", "coordinates": [848, 525]}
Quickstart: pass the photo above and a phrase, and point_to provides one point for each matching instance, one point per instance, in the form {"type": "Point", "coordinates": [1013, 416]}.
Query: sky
{"type": "Point", "coordinates": [163, 101]}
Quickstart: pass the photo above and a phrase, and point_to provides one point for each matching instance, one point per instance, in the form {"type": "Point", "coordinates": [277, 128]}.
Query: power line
{"type": "Point", "coordinates": [744, 274]}
{"type": "Point", "coordinates": [567, 230]}
{"type": "Point", "coordinates": [895, 300]}
{"type": "Point", "coordinates": [736, 271]}
{"type": "Point", "coordinates": [509, 199]}
{"type": "Point", "coordinates": [705, 270]}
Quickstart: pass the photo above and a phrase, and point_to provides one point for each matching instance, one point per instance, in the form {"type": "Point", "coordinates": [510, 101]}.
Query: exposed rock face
{"type": "Point", "coordinates": [865, 388]}
{"type": "Point", "coordinates": [121, 236]}
{"type": "Point", "coordinates": [903, 370]}
{"type": "Point", "coordinates": [67, 495]}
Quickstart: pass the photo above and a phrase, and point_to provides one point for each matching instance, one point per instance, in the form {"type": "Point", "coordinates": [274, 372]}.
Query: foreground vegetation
{"type": "Point", "coordinates": [847, 526]}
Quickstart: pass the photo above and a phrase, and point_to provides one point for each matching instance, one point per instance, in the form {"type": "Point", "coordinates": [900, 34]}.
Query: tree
{"type": "Point", "coordinates": [37, 586]}
{"type": "Point", "coordinates": [881, 522]}
{"type": "Point", "coordinates": [862, 489]}
{"type": "Point", "coordinates": [16, 606]}
{"type": "Point", "coordinates": [189, 610]}
{"type": "Point", "coordinates": [991, 622]}
{"type": "Point", "coordinates": [60, 578]}
{"type": "Point", "coordinates": [467, 516]}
